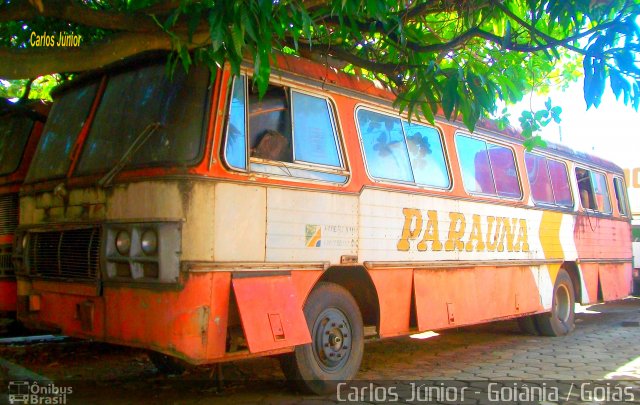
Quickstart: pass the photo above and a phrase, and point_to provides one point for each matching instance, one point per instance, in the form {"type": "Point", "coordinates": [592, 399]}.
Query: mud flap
{"type": "Point", "coordinates": [615, 280]}
{"type": "Point", "coordinates": [270, 311]}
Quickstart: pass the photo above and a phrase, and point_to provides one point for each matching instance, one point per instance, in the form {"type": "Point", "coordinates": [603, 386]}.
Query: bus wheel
{"type": "Point", "coordinates": [167, 364]}
{"type": "Point", "coordinates": [527, 325]}
{"type": "Point", "coordinates": [560, 321]}
{"type": "Point", "coordinates": [337, 342]}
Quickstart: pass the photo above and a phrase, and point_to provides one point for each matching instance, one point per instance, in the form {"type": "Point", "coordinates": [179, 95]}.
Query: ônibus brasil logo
{"type": "Point", "coordinates": [40, 393]}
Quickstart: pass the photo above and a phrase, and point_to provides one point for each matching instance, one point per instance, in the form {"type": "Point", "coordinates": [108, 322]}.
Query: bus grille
{"type": "Point", "coordinates": [8, 214]}
{"type": "Point", "coordinates": [6, 265]}
{"type": "Point", "coordinates": [71, 254]}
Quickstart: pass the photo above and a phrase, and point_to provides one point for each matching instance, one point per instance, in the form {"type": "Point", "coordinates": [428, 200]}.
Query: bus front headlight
{"type": "Point", "coordinates": [149, 242]}
{"type": "Point", "coordinates": [123, 242]}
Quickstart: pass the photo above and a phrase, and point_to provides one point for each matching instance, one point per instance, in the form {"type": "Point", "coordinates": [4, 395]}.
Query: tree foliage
{"type": "Point", "coordinates": [463, 58]}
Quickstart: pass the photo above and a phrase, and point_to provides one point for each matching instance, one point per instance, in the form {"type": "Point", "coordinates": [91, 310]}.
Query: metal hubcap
{"type": "Point", "coordinates": [562, 303]}
{"type": "Point", "coordinates": [332, 339]}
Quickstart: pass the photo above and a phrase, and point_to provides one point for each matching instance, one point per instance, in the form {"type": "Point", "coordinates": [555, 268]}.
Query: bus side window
{"type": "Point", "coordinates": [427, 155]}
{"type": "Point", "coordinates": [474, 162]}
{"type": "Point", "coordinates": [585, 188]}
{"type": "Point", "coordinates": [503, 168]}
{"type": "Point", "coordinates": [270, 125]}
{"type": "Point", "coordinates": [621, 195]}
{"type": "Point", "coordinates": [236, 143]}
{"type": "Point", "coordinates": [315, 138]}
{"type": "Point", "coordinates": [384, 145]}
{"type": "Point", "coordinates": [560, 183]}
{"type": "Point", "coordinates": [539, 180]}
{"type": "Point", "coordinates": [601, 192]}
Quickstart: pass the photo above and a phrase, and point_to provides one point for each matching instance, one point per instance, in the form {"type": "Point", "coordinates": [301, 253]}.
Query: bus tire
{"type": "Point", "coordinates": [337, 342]}
{"type": "Point", "coordinates": [528, 325]}
{"type": "Point", "coordinates": [167, 364]}
{"type": "Point", "coordinates": [561, 320]}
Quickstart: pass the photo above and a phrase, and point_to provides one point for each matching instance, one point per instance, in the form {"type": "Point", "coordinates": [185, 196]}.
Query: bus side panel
{"type": "Point", "coordinates": [305, 226]}
{"type": "Point", "coordinates": [394, 288]}
{"type": "Point", "coordinates": [590, 278]}
{"type": "Point", "coordinates": [616, 280]}
{"type": "Point", "coordinates": [455, 297]}
{"type": "Point", "coordinates": [219, 319]}
{"type": "Point", "coordinates": [600, 238]}
{"type": "Point", "coordinates": [239, 223]}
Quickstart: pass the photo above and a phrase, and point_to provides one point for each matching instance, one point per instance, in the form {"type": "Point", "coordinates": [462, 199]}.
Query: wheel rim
{"type": "Point", "coordinates": [332, 339]}
{"type": "Point", "coordinates": [562, 303]}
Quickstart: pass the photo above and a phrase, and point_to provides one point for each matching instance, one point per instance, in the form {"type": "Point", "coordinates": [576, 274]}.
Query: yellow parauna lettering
{"type": "Point", "coordinates": [522, 242]}
{"type": "Point", "coordinates": [476, 235]}
{"type": "Point", "coordinates": [407, 232]}
{"type": "Point", "coordinates": [502, 233]}
{"type": "Point", "coordinates": [493, 240]}
{"type": "Point", "coordinates": [508, 234]}
{"type": "Point", "coordinates": [431, 233]}
{"type": "Point", "coordinates": [456, 232]}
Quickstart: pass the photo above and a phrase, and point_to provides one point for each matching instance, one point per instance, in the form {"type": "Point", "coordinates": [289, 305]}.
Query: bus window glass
{"type": "Point", "coordinates": [621, 195]}
{"type": "Point", "coordinates": [314, 134]}
{"type": "Point", "coordinates": [601, 192]}
{"type": "Point", "coordinates": [132, 104]}
{"type": "Point", "coordinates": [474, 161]}
{"type": "Point", "coordinates": [587, 198]}
{"type": "Point", "coordinates": [67, 116]}
{"type": "Point", "coordinates": [427, 155]}
{"type": "Point", "coordinates": [539, 178]}
{"type": "Point", "coordinates": [505, 174]}
{"type": "Point", "coordinates": [270, 125]}
{"type": "Point", "coordinates": [384, 146]}
{"type": "Point", "coordinates": [14, 133]}
{"type": "Point", "coordinates": [236, 147]}
{"type": "Point", "coordinates": [560, 183]}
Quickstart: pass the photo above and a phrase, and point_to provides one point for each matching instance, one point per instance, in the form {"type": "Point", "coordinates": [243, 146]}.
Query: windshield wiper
{"type": "Point", "coordinates": [137, 143]}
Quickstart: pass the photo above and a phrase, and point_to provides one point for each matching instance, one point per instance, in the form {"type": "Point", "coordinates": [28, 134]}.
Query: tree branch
{"type": "Point", "coordinates": [67, 10]}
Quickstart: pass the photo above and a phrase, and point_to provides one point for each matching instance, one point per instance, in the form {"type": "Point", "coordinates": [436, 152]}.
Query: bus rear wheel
{"type": "Point", "coordinates": [561, 320]}
{"type": "Point", "coordinates": [337, 342]}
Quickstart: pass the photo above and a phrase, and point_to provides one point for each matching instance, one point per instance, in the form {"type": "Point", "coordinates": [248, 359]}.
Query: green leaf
{"type": "Point", "coordinates": [450, 96]}
{"type": "Point", "coordinates": [237, 37]}
{"type": "Point", "coordinates": [541, 114]}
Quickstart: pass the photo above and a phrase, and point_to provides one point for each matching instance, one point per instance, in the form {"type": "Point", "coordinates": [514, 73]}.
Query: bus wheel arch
{"type": "Point", "coordinates": [356, 280]}
{"type": "Point", "coordinates": [572, 269]}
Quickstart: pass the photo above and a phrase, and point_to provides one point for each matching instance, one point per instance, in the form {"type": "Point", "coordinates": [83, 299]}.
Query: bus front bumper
{"type": "Point", "coordinates": [189, 323]}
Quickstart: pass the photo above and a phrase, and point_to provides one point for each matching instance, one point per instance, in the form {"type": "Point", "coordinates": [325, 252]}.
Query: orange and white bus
{"type": "Point", "coordinates": [20, 128]}
{"type": "Point", "coordinates": [195, 219]}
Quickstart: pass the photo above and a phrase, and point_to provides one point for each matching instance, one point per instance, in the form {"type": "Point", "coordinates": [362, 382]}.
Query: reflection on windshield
{"type": "Point", "coordinates": [134, 100]}
{"type": "Point", "coordinates": [65, 121]}
{"type": "Point", "coordinates": [14, 133]}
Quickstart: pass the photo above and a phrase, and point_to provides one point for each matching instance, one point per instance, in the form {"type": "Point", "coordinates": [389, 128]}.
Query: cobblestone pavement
{"type": "Point", "coordinates": [604, 346]}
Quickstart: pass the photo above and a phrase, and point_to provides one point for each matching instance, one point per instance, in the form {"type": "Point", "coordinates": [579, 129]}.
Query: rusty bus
{"type": "Point", "coordinates": [20, 128]}
{"type": "Point", "coordinates": [195, 219]}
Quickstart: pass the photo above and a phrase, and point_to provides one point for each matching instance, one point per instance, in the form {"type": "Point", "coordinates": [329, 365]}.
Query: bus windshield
{"type": "Point", "coordinates": [67, 117]}
{"type": "Point", "coordinates": [134, 102]}
{"type": "Point", "coordinates": [14, 133]}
